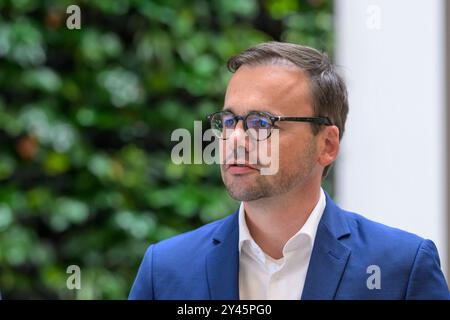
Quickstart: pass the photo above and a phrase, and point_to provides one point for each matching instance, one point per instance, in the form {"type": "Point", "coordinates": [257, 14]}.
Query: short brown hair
{"type": "Point", "coordinates": [328, 89]}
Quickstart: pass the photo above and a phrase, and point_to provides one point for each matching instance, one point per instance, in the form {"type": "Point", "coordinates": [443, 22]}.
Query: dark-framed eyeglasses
{"type": "Point", "coordinates": [257, 124]}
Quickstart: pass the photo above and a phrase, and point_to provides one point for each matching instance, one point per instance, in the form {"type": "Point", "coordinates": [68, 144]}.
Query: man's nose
{"type": "Point", "coordinates": [237, 137]}
{"type": "Point", "coordinates": [238, 134]}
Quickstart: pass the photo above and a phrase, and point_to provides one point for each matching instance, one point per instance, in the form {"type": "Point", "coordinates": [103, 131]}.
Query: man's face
{"type": "Point", "coordinates": [279, 90]}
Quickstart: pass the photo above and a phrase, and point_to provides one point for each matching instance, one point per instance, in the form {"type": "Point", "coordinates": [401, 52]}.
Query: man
{"type": "Point", "coordinates": [288, 239]}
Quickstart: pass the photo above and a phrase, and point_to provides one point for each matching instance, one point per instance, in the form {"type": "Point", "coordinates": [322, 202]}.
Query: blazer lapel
{"type": "Point", "coordinates": [222, 262]}
{"type": "Point", "coordinates": [329, 256]}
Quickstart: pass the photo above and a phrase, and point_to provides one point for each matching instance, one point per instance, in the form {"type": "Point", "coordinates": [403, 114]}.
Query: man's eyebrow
{"type": "Point", "coordinates": [262, 109]}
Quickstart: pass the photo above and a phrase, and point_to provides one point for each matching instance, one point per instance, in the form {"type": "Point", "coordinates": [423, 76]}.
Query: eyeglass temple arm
{"type": "Point", "coordinates": [319, 120]}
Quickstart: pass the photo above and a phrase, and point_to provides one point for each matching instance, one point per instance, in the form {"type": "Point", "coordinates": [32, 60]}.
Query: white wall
{"type": "Point", "coordinates": [392, 163]}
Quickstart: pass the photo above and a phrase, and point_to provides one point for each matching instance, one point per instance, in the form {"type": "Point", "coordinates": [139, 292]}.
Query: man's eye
{"type": "Point", "coordinates": [263, 123]}
{"type": "Point", "coordinates": [228, 122]}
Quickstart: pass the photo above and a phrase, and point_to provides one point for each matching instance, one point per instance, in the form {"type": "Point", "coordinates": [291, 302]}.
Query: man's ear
{"type": "Point", "coordinates": [329, 145]}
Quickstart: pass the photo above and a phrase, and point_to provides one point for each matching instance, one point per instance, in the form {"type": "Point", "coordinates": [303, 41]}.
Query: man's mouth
{"type": "Point", "coordinates": [240, 168]}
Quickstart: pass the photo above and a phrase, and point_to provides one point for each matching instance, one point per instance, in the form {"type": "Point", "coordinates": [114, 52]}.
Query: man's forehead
{"type": "Point", "coordinates": [271, 88]}
{"type": "Point", "coordinates": [246, 109]}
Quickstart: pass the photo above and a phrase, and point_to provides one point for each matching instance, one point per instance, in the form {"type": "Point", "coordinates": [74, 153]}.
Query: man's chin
{"type": "Point", "coordinates": [246, 194]}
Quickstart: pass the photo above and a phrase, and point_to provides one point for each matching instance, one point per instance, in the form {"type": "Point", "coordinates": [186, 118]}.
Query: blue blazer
{"type": "Point", "coordinates": [204, 263]}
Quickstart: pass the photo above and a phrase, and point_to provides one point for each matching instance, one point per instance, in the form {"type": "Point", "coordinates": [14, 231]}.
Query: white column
{"type": "Point", "coordinates": [392, 165]}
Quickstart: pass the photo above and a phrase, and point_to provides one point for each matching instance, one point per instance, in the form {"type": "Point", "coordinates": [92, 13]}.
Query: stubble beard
{"type": "Point", "coordinates": [254, 186]}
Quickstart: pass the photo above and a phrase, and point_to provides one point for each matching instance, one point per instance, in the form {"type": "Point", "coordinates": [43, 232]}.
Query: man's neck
{"type": "Point", "coordinates": [273, 221]}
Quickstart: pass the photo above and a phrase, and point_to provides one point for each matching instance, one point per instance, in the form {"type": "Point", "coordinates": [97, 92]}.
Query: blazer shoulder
{"type": "Point", "coordinates": [409, 264]}
{"type": "Point", "coordinates": [380, 235]}
{"type": "Point", "coordinates": [192, 241]}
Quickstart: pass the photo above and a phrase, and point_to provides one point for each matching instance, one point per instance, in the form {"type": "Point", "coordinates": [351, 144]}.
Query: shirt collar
{"type": "Point", "coordinates": [309, 229]}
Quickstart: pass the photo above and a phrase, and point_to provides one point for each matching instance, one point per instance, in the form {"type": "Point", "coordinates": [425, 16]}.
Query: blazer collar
{"type": "Point", "coordinates": [222, 262]}
{"type": "Point", "coordinates": [329, 256]}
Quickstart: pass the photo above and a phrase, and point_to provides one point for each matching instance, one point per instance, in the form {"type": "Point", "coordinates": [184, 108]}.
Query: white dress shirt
{"type": "Point", "coordinates": [262, 277]}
